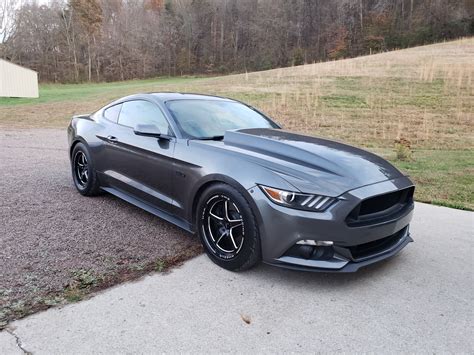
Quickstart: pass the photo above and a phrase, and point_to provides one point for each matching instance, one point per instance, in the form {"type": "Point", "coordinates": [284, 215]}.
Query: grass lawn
{"type": "Point", "coordinates": [451, 182]}
{"type": "Point", "coordinates": [424, 95]}
{"type": "Point", "coordinates": [442, 177]}
{"type": "Point", "coordinates": [50, 93]}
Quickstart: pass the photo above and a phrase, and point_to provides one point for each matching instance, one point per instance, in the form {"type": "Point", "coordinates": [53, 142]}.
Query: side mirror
{"type": "Point", "coordinates": [148, 130]}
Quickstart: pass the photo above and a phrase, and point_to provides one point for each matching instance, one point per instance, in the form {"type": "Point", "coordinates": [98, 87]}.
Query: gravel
{"type": "Point", "coordinates": [57, 245]}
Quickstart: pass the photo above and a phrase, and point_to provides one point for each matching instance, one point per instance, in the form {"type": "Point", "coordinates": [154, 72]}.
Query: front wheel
{"type": "Point", "coordinates": [228, 228]}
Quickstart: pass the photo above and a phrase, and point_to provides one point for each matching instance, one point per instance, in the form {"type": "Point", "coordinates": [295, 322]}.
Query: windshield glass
{"type": "Point", "coordinates": [210, 118]}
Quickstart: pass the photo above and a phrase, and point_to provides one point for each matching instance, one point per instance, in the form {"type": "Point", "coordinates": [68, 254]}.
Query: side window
{"type": "Point", "coordinates": [112, 113]}
{"type": "Point", "coordinates": [143, 112]}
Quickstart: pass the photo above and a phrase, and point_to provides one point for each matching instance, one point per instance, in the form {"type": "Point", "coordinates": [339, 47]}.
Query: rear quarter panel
{"type": "Point", "coordinates": [84, 129]}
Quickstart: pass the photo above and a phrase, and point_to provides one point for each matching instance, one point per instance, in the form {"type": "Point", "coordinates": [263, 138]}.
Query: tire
{"type": "Point", "coordinates": [83, 171]}
{"type": "Point", "coordinates": [228, 228]}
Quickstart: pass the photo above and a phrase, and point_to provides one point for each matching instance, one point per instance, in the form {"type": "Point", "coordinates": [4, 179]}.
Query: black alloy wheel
{"type": "Point", "coordinates": [83, 171]}
{"type": "Point", "coordinates": [227, 228]}
{"type": "Point", "coordinates": [223, 227]}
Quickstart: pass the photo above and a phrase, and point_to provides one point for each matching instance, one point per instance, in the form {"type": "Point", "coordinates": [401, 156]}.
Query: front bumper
{"type": "Point", "coordinates": [281, 228]}
{"type": "Point", "coordinates": [340, 263]}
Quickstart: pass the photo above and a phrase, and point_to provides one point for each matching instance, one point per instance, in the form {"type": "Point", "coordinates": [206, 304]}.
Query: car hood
{"type": "Point", "coordinates": [311, 164]}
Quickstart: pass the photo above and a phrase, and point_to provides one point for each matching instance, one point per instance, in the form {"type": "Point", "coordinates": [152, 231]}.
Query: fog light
{"type": "Point", "coordinates": [311, 249]}
{"type": "Point", "coordinates": [316, 243]}
{"type": "Point", "coordinates": [305, 251]}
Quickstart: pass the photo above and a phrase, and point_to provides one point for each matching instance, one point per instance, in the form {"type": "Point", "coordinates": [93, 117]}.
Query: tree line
{"type": "Point", "coordinates": [97, 40]}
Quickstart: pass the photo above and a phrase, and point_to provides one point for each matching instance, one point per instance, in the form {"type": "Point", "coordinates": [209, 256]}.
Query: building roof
{"type": "Point", "coordinates": [17, 65]}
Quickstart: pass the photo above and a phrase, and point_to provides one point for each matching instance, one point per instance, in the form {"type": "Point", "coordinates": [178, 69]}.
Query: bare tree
{"type": "Point", "coordinates": [78, 40]}
{"type": "Point", "coordinates": [7, 23]}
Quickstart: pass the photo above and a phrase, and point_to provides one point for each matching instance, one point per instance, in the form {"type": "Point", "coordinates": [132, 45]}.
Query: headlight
{"type": "Point", "coordinates": [297, 200]}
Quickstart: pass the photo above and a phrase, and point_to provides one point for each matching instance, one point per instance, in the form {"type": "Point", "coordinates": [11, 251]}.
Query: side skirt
{"type": "Point", "coordinates": [153, 210]}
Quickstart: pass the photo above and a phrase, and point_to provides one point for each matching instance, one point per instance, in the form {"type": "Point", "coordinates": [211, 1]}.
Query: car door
{"type": "Point", "coordinates": [141, 166]}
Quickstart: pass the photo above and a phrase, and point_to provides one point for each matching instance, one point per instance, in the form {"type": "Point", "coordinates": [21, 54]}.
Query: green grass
{"type": "Point", "coordinates": [71, 92]}
{"type": "Point", "coordinates": [160, 265]}
{"type": "Point", "coordinates": [443, 178]}
{"type": "Point", "coordinates": [344, 101]}
{"type": "Point", "coordinates": [351, 92]}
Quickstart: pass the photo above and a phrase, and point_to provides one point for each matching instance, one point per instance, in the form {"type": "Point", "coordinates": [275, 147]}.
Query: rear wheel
{"type": "Point", "coordinates": [83, 172]}
{"type": "Point", "coordinates": [227, 228]}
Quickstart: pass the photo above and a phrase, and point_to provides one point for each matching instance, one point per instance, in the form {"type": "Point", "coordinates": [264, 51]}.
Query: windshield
{"type": "Point", "coordinates": [211, 118]}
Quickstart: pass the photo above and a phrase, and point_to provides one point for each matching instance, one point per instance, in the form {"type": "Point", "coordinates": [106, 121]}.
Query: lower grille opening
{"type": "Point", "coordinates": [362, 251]}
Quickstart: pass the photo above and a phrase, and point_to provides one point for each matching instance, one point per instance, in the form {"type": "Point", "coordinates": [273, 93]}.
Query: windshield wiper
{"type": "Point", "coordinates": [213, 138]}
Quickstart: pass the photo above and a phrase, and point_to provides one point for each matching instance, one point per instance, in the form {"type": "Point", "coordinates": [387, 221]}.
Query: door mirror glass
{"type": "Point", "coordinates": [149, 130]}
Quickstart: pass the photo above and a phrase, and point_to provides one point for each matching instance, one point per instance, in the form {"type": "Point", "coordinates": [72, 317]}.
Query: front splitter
{"type": "Point", "coordinates": [339, 265]}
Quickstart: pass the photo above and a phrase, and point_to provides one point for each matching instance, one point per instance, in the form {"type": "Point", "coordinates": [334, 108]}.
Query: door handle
{"type": "Point", "coordinates": [112, 139]}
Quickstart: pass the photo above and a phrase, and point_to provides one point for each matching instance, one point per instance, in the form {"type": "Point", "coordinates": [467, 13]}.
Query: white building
{"type": "Point", "coordinates": [17, 81]}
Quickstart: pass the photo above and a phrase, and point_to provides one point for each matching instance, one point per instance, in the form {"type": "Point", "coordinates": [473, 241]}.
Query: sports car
{"type": "Point", "coordinates": [250, 190]}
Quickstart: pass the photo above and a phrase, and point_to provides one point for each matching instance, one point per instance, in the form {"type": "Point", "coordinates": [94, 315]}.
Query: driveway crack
{"type": "Point", "coordinates": [18, 341]}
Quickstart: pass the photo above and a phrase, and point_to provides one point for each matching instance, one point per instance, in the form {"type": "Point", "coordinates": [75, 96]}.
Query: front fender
{"type": "Point", "coordinates": [209, 166]}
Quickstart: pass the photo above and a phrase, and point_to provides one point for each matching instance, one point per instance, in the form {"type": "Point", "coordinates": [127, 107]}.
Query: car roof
{"type": "Point", "coordinates": [167, 96]}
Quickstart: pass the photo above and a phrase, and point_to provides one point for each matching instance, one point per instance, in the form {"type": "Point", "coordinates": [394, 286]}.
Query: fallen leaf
{"type": "Point", "coordinates": [246, 318]}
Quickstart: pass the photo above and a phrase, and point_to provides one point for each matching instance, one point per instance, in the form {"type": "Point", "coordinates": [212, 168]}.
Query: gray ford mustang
{"type": "Point", "coordinates": [250, 190]}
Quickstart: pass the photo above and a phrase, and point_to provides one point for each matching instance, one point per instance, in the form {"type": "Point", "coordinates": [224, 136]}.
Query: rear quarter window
{"type": "Point", "coordinates": [112, 113]}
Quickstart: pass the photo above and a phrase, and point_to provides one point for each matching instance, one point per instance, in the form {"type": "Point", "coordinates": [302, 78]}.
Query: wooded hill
{"type": "Point", "coordinates": [97, 40]}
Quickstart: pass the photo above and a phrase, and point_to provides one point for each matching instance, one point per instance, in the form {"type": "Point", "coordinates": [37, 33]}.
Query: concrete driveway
{"type": "Point", "coordinates": [419, 301]}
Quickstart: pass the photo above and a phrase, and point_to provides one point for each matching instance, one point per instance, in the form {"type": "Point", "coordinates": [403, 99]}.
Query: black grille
{"type": "Point", "coordinates": [362, 251]}
{"type": "Point", "coordinates": [381, 207]}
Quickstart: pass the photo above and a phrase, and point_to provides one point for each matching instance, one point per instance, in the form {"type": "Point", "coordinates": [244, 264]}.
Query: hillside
{"type": "Point", "coordinates": [423, 95]}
